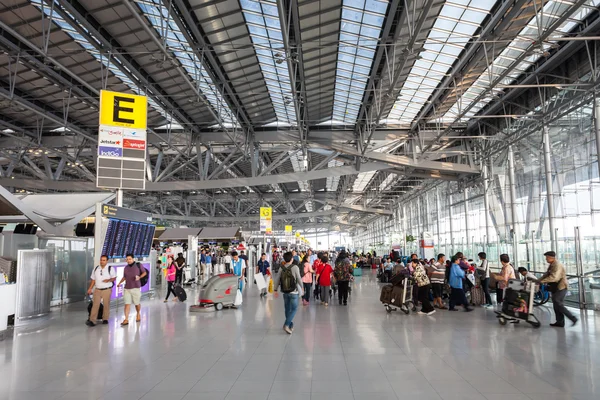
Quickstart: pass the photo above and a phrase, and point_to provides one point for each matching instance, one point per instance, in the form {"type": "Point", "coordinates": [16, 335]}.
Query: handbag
{"type": "Point", "coordinates": [238, 298]}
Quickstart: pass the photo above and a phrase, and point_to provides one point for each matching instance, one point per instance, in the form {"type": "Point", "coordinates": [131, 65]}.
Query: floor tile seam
{"type": "Point", "coordinates": [246, 366]}
{"type": "Point", "coordinates": [346, 364]}
{"type": "Point", "coordinates": [533, 373]}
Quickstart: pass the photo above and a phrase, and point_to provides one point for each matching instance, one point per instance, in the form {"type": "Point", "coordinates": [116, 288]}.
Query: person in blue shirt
{"type": "Point", "coordinates": [239, 267]}
{"type": "Point", "coordinates": [311, 258]}
{"type": "Point", "coordinates": [263, 267]}
{"type": "Point", "coordinates": [457, 293]}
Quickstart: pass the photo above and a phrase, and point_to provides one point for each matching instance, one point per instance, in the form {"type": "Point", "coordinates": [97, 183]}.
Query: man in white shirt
{"type": "Point", "coordinates": [103, 279]}
{"type": "Point", "coordinates": [227, 261]}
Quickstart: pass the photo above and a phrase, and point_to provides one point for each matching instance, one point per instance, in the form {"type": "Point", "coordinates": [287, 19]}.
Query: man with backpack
{"type": "Point", "coordinates": [289, 280]}
{"type": "Point", "coordinates": [134, 276]}
{"type": "Point", "coordinates": [103, 279]}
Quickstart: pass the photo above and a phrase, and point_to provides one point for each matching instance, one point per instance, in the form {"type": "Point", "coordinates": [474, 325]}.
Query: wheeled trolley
{"type": "Point", "coordinates": [518, 304]}
{"type": "Point", "coordinates": [398, 295]}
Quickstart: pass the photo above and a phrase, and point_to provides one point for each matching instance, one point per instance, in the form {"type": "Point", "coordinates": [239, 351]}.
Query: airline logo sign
{"type": "Point", "coordinates": [134, 144]}
{"type": "Point", "coordinates": [122, 141]}
{"type": "Point", "coordinates": [105, 151]}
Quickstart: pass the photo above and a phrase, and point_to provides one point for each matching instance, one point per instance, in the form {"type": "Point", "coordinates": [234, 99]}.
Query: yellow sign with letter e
{"type": "Point", "coordinates": [123, 109]}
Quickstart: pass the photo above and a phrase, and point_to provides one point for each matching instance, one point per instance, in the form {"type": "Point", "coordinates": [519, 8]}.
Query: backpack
{"type": "Point", "coordinates": [109, 271]}
{"type": "Point", "coordinates": [144, 280]}
{"type": "Point", "coordinates": [287, 280]}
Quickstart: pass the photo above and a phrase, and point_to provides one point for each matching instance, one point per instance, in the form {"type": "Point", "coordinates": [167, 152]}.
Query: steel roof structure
{"type": "Point", "coordinates": [332, 112]}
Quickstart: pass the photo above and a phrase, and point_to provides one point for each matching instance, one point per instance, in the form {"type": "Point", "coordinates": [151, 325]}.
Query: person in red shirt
{"type": "Point", "coordinates": [324, 279]}
{"type": "Point", "coordinates": [317, 266]}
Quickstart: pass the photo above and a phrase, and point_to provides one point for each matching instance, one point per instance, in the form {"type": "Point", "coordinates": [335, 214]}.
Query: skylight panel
{"type": "Point", "coordinates": [162, 21]}
{"type": "Point", "coordinates": [551, 11]}
{"type": "Point", "coordinates": [384, 185]}
{"type": "Point", "coordinates": [457, 23]}
{"type": "Point", "coordinates": [333, 181]}
{"type": "Point", "coordinates": [262, 19]}
{"type": "Point", "coordinates": [362, 180]}
{"type": "Point", "coordinates": [299, 166]}
{"type": "Point", "coordinates": [77, 37]}
{"type": "Point", "coordinates": [360, 30]}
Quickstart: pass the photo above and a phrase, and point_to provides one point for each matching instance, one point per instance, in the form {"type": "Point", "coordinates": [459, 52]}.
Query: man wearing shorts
{"type": "Point", "coordinates": [132, 273]}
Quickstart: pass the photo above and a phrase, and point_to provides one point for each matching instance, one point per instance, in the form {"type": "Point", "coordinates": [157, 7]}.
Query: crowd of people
{"type": "Point", "coordinates": [298, 275]}
{"type": "Point", "coordinates": [454, 279]}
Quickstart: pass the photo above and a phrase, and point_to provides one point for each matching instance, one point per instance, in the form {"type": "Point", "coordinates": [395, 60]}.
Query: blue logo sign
{"type": "Point", "coordinates": [106, 151]}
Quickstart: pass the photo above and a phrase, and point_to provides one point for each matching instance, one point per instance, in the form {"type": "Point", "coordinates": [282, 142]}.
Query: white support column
{"type": "Point", "coordinates": [119, 198]}
{"type": "Point", "coordinates": [467, 230]}
{"type": "Point", "coordinates": [513, 206]}
{"type": "Point", "coordinates": [597, 127]}
{"type": "Point", "coordinates": [486, 204]}
{"type": "Point", "coordinates": [549, 188]}
{"type": "Point", "coordinates": [449, 202]}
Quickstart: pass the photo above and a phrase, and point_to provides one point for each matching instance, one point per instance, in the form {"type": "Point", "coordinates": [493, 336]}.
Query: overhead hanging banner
{"type": "Point", "coordinates": [122, 141]}
{"type": "Point", "coordinates": [266, 220]}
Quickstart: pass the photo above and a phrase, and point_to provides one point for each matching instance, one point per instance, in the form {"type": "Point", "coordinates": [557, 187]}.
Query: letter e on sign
{"type": "Point", "coordinates": [123, 109]}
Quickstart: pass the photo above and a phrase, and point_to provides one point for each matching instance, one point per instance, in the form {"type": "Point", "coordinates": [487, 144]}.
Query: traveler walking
{"type": "Point", "coordinates": [132, 276]}
{"type": "Point", "coordinates": [556, 279]}
{"type": "Point", "coordinates": [202, 262]}
{"type": "Point", "coordinates": [227, 261]}
{"type": "Point", "coordinates": [343, 276]}
{"type": "Point", "coordinates": [171, 278]}
{"type": "Point", "coordinates": [103, 279]}
{"type": "Point", "coordinates": [262, 267]}
{"type": "Point", "coordinates": [324, 279]}
{"type": "Point", "coordinates": [457, 293]}
{"type": "Point", "coordinates": [180, 265]}
{"type": "Point", "coordinates": [484, 276]}
{"type": "Point", "coordinates": [507, 273]}
{"type": "Point", "coordinates": [288, 279]}
{"type": "Point", "coordinates": [307, 278]}
{"type": "Point", "coordinates": [208, 260]}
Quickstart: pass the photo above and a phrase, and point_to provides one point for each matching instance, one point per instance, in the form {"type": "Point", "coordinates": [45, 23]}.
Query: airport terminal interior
{"type": "Point", "coordinates": [166, 164]}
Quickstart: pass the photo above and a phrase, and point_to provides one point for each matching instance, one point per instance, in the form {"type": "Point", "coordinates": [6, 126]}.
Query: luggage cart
{"type": "Point", "coordinates": [518, 304]}
{"type": "Point", "coordinates": [404, 302]}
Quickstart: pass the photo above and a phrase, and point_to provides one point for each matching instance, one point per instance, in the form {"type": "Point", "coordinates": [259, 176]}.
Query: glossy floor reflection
{"type": "Point", "coordinates": [355, 352]}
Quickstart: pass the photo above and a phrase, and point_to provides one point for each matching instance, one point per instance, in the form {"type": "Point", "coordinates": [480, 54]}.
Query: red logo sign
{"type": "Point", "coordinates": [134, 144]}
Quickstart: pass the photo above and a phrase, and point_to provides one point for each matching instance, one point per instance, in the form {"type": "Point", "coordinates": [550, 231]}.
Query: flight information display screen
{"type": "Point", "coordinates": [127, 237]}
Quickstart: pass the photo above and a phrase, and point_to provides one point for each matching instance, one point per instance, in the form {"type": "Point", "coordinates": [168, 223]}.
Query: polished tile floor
{"type": "Point", "coordinates": [355, 352]}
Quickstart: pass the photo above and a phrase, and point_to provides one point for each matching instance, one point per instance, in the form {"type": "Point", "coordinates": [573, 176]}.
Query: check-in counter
{"type": "Point", "coordinates": [8, 300]}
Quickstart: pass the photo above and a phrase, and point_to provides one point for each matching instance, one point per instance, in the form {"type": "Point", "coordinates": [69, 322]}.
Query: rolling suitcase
{"type": "Point", "coordinates": [100, 310]}
{"type": "Point", "coordinates": [386, 294]}
{"type": "Point", "coordinates": [180, 293]}
{"type": "Point", "coordinates": [357, 272]}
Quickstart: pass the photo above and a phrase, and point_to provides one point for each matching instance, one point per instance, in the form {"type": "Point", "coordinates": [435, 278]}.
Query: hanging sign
{"type": "Point", "coordinates": [266, 220]}
{"type": "Point", "coordinates": [122, 141]}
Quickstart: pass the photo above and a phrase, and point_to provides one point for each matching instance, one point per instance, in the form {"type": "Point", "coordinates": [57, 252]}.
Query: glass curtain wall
{"type": "Point", "coordinates": [458, 221]}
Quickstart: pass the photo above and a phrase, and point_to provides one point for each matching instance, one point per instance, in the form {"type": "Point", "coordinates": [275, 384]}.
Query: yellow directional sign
{"type": "Point", "coordinates": [266, 212]}
{"type": "Point", "coordinates": [288, 229]}
{"type": "Point", "coordinates": [297, 234]}
{"type": "Point", "coordinates": [123, 109]}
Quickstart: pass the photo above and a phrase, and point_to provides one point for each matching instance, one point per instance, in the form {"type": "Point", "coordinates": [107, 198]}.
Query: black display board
{"type": "Point", "coordinates": [127, 237]}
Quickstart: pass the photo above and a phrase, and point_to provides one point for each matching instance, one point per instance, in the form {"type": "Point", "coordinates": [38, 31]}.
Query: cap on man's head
{"type": "Point", "coordinates": [550, 254]}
